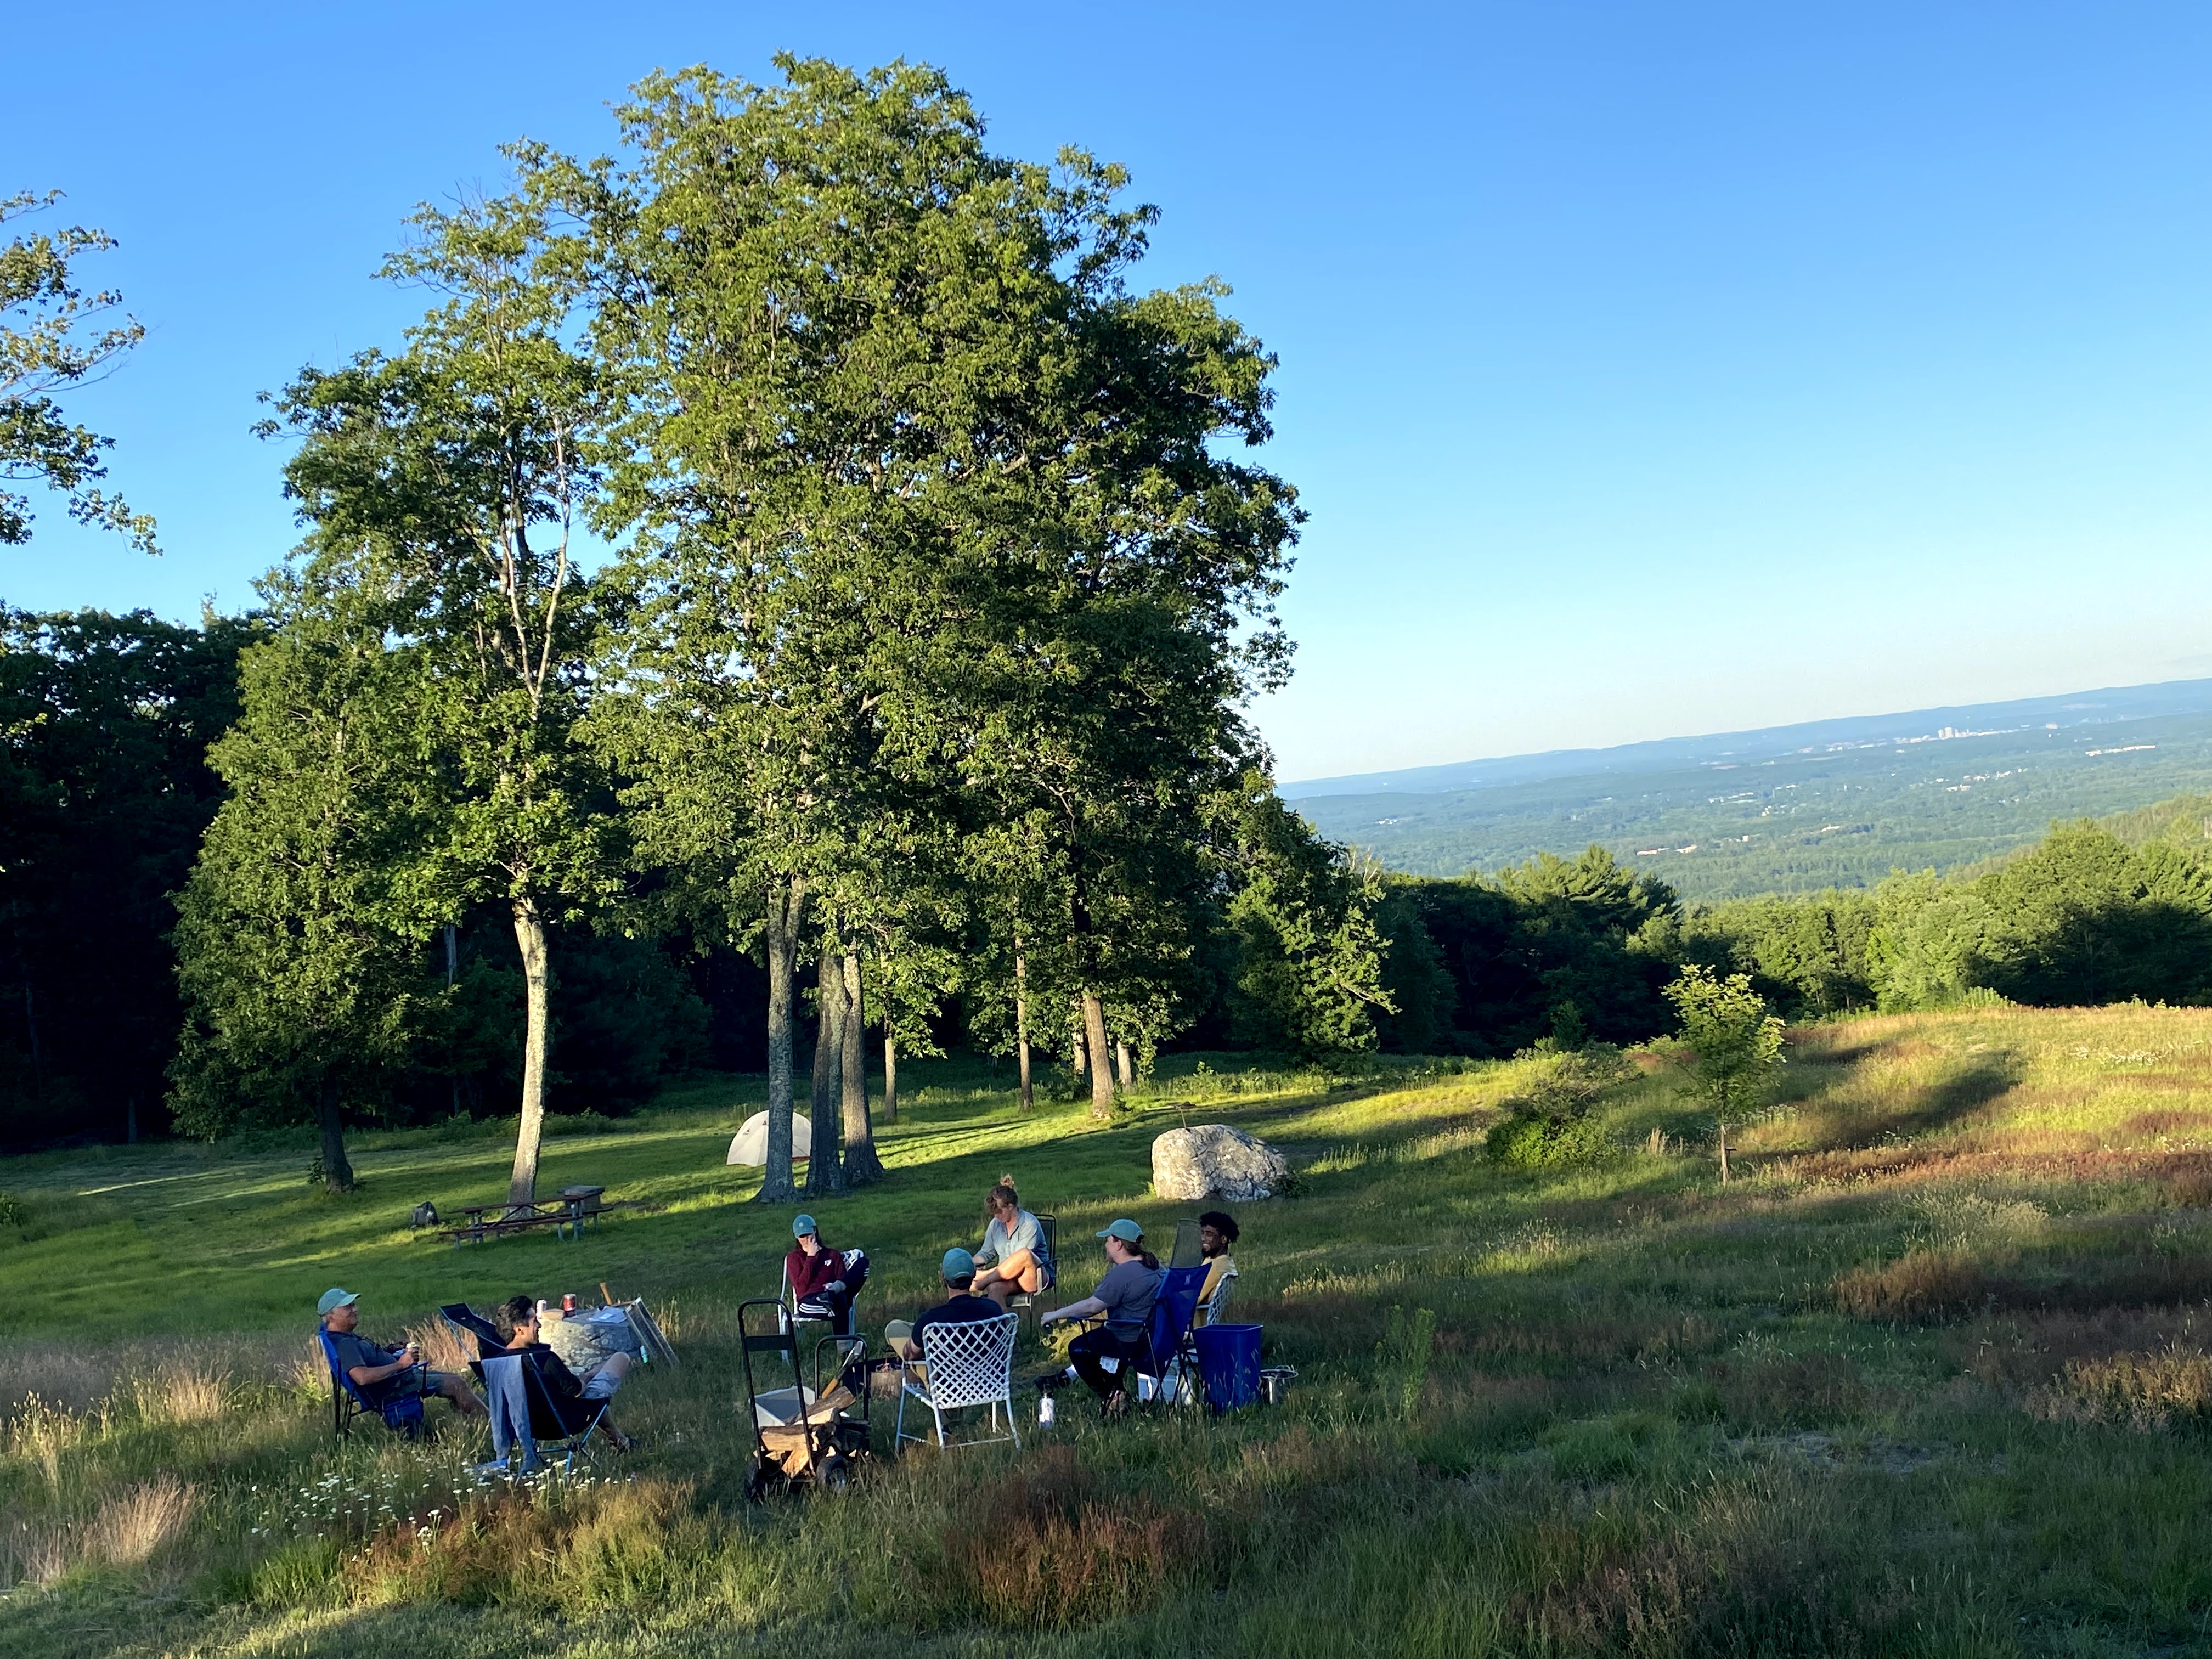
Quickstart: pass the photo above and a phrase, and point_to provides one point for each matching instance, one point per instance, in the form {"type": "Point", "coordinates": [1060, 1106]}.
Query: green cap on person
{"type": "Point", "coordinates": [802, 1226]}
{"type": "Point", "coordinates": [1125, 1229]}
{"type": "Point", "coordinates": [334, 1298]}
{"type": "Point", "coordinates": [957, 1264]}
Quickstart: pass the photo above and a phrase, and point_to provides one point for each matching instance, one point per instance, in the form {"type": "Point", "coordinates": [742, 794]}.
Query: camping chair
{"type": "Point", "coordinates": [402, 1415]}
{"type": "Point", "coordinates": [467, 1322]}
{"type": "Point", "coordinates": [526, 1412]}
{"type": "Point", "coordinates": [969, 1363]}
{"type": "Point", "coordinates": [1187, 1251]}
{"type": "Point", "coordinates": [1215, 1308]}
{"type": "Point", "coordinates": [1170, 1363]}
{"type": "Point", "coordinates": [1023, 1301]}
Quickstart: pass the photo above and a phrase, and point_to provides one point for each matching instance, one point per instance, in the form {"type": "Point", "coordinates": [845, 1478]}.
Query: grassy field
{"type": "Point", "coordinates": [1931, 1376]}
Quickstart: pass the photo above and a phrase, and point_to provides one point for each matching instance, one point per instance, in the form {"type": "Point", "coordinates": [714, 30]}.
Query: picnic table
{"type": "Point", "coordinates": [566, 1215]}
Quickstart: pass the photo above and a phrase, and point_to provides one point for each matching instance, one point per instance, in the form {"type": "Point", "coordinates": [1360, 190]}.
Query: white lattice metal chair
{"type": "Point", "coordinates": [969, 1363]}
{"type": "Point", "coordinates": [1215, 1308]}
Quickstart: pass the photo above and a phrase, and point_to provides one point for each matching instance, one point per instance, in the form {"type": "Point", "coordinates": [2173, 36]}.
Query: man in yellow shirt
{"type": "Point", "coordinates": [1217, 1231]}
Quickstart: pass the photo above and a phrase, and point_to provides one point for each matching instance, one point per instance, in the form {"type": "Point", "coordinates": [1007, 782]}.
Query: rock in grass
{"type": "Point", "coordinates": [1212, 1160]}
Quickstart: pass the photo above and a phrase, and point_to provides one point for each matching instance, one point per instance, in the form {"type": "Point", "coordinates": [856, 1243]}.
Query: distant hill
{"type": "Point", "coordinates": [1787, 809]}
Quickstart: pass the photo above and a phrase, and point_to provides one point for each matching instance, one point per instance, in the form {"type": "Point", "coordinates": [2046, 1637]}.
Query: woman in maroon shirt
{"type": "Point", "coordinates": [823, 1281]}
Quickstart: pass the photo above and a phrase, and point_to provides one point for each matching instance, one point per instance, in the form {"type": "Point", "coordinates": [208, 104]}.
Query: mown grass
{"type": "Point", "coordinates": [1932, 1376]}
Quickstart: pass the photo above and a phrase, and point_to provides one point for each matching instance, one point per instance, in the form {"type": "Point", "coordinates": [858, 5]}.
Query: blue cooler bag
{"type": "Point", "coordinates": [1229, 1365]}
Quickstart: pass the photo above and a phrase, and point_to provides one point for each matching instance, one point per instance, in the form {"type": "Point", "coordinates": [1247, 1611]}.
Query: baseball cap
{"type": "Point", "coordinates": [801, 1225]}
{"type": "Point", "coordinates": [1125, 1229]}
{"type": "Point", "coordinates": [957, 1264]}
{"type": "Point", "coordinates": [332, 1298]}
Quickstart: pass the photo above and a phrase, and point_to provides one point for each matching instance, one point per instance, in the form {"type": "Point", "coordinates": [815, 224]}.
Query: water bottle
{"type": "Point", "coordinates": [1044, 1411]}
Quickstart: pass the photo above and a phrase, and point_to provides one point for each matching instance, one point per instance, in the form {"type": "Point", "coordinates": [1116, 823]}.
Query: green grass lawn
{"type": "Point", "coordinates": [1931, 1377]}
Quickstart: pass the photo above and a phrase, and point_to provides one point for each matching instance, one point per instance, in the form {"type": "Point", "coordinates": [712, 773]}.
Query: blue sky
{"type": "Point", "coordinates": [1647, 369]}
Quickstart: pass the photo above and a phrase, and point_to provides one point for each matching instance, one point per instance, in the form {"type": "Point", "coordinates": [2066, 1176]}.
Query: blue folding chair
{"type": "Point", "coordinates": [526, 1415]}
{"type": "Point", "coordinates": [402, 1414]}
{"type": "Point", "coordinates": [1170, 1357]}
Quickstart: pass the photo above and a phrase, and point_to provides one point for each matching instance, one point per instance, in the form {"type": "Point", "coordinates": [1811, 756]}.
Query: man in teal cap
{"type": "Point", "coordinates": [1124, 1300]}
{"type": "Point", "coordinates": [961, 1306]}
{"type": "Point", "coordinates": [384, 1374]}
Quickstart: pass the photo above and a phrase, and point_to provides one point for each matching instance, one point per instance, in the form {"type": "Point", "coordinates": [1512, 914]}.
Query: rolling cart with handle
{"type": "Point", "coordinates": [803, 1433]}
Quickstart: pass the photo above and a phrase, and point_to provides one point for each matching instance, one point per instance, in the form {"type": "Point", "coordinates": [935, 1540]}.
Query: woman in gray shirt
{"type": "Point", "coordinates": [1124, 1299]}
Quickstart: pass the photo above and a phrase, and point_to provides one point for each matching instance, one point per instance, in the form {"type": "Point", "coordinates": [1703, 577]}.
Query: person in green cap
{"type": "Point", "coordinates": [1124, 1300]}
{"type": "Point", "coordinates": [960, 1306]}
{"type": "Point", "coordinates": [384, 1374]}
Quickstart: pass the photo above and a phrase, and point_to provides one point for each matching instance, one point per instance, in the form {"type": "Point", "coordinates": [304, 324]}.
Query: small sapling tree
{"type": "Point", "coordinates": [1736, 1041]}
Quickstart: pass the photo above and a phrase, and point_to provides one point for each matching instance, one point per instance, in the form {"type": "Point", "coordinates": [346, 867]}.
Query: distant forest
{"type": "Point", "coordinates": [106, 794]}
{"type": "Point", "coordinates": [1720, 829]}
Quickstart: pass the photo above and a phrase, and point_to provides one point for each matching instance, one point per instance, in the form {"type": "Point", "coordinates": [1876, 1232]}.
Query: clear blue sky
{"type": "Point", "coordinates": [1647, 369]}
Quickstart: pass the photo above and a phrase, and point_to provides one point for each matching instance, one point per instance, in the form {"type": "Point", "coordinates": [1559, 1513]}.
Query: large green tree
{"type": "Point", "coordinates": [829, 306]}
{"type": "Point", "coordinates": [443, 486]}
{"type": "Point", "coordinates": [295, 985]}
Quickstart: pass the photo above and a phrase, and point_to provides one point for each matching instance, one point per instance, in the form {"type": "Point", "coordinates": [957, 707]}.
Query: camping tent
{"type": "Point", "coordinates": [750, 1144]}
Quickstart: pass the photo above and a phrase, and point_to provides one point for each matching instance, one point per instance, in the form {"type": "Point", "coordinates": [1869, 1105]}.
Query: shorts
{"type": "Point", "coordinates": [417, 1379]}
{"type": "Point", "coordinates": [599, 1385]}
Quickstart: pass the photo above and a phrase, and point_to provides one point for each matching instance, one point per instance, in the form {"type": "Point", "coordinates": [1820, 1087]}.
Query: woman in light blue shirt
{"type": "Point", "coordinates": [1012, 1257]}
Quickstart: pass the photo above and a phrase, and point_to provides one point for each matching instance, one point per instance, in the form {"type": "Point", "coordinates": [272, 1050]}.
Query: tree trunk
{"type": "Point", "coordinates": [890, 1075]}
{"type": "Point", "coordinates": [861, 1163]}
{"type": "Point", "coordinates": [529, 934]}
{"type": "Point", "coordinates": [1022, 1025]}
{"type": "Point", "coordinates": [1723, 1151]}
{"type": "Point", "coordinates": [1102, 1075]}
{"type": "Point", "coordinates": [825, 1174]}
{"type": "Point", "coordinates": [1122, 1066]}
{"type": "Point", "coordinates": [786, 896]}
{"type": "Point", "coordinates": [337, 1170]}
{"type": "Point", "coordinates": [1077, 1058]}
{"type": "Point", "coordinates": [452, 969]}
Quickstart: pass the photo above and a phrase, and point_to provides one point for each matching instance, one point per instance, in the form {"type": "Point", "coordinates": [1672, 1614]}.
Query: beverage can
{"type": "Point", "coordinates": [569, 1301]}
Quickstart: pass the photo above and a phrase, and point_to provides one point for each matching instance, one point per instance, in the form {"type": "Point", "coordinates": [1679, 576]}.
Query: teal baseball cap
{"type": "Point", "coordinates": [334, 1298]}
{"type": "Point", "coordinates": [802, 1226]}
{"type": "Point", "coordinates": [1125, 1229]}
{"type": "Point", "coordinates": [957, 1264]}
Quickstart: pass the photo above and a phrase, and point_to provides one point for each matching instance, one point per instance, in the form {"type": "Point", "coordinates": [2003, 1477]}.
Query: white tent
{"type": "Point", "coordinates": [750, 1144]}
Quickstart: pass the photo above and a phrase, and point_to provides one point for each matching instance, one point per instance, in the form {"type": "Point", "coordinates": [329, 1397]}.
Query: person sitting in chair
{"type": "Point", "coordinates": [1012, 1259]}
{"type": "Point", "coordinates": [1124, 1298]}
{"type": "Point", "coordinates": [1217, 1231]}
{"type": "Point", "coordinates": [961, 1306]}
{"type": "Point", "coordinates": [823, 1281]}
{"type": "Point", "coordinates": [384, 1374]}
{"type": "Point", "coordinates": [519, 1316]}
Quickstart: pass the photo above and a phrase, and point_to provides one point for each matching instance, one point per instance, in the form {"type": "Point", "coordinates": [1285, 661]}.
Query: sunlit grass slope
{"type": "Point", "coordinates": [1931, 1377]}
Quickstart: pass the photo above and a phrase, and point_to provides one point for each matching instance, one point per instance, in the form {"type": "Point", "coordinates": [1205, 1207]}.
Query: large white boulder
{"type": "Point", "coordinates": [750, 1144]}
{"type": "Point", "coordinates": [1212, 1160]}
